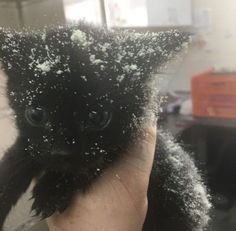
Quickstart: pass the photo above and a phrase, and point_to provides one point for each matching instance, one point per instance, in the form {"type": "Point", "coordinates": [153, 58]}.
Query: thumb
{"type": "Point", "coordinates": [135, 166]}
{"type": "Point", "coordinates": [141, 151]}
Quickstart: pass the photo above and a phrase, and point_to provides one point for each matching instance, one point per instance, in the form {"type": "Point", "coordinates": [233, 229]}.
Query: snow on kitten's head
{"type": "Point", "coordinates": [79, 91]}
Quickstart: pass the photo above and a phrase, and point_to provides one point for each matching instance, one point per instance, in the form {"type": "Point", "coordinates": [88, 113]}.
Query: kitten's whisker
{"type": "Point", "coordinates": [3, 94]}
{"type": "Point", "coordinates": [6, 112]}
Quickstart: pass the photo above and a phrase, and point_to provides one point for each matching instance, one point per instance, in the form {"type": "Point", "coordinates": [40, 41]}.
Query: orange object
{"type": "Point", "coordinates": [214, 94]}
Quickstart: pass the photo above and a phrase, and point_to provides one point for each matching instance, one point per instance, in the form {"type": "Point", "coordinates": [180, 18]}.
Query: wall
{"type": "Point", "coordinates": [8, 16]}
{"type": "Point", "coordinates": [36, 14]}
{"type": "Point", "coordinates": [216, 46]}
{"type": "Point", "coordinates": [44, 12]}
{"type": "Point", "coordinates": [169, 12]}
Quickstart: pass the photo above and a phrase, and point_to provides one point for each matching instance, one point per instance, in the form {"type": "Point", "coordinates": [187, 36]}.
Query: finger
{"type": "Point", "coordinates": [142, 149]}
{"type": "Point", "coordinates": [135, 166]}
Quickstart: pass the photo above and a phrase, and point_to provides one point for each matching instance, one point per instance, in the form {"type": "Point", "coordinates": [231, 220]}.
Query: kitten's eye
{"type": "Point", "coordinates": [96, 121]}
{"type": "Point", "coordinates": [35, 116]}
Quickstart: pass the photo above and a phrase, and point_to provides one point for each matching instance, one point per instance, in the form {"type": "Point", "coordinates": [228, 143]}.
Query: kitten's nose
{"type": "Point", "coordinates": [62, 131]}
{"type": "Point", "coordinates": [68, 136]}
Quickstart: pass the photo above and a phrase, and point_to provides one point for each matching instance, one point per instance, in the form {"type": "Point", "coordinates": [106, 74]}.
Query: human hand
{"type": "Point", "coordinates": [117, 201]}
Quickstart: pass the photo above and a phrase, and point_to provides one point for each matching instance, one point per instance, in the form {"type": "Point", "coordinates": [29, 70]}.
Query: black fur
{"type": "Point", "coordinates": [79, 94]}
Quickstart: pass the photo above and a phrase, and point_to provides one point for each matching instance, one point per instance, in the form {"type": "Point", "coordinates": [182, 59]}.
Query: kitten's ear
{"type": "Point", "coordinates": [6, 53]}
{"type": "Point", "coordinates": [11, 53]}
{"type": "Point", "coordinates": [154, 49]}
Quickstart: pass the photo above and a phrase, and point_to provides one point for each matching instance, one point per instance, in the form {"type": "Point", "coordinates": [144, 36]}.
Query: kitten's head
{"type": "Point", "coordinates": [78, 92]}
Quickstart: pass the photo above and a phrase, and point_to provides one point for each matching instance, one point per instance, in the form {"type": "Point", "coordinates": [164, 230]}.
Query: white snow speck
{"type": "Point", "coordinates": [133, 67]}
{"type": "Point", "coordinates": [44, 67]}
{"type": "Point", "coordinates": [129, 68]}
{"type": "Point", "coordinates": [104, 47]}
{"type": "Point", "coordinates": [120, 78]}
{"type": "Point", "coordinates": [59, 72]}
{"type": "Point", "coordinates": [95, 61]}
{"type": "Point", "coordinates": [79, 37]}
{"type": "Point", "coordinates": [84, 78]}
{"type": "Point", "coordinates": [44, 36]}
{"type": "Point", "coordinates": [102, 67]}
{"type": "Point", "coordinates": [118, 177]}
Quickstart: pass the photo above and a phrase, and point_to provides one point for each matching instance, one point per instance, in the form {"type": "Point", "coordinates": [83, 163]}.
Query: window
{"type": "Point", "coordinates": [88, 10]}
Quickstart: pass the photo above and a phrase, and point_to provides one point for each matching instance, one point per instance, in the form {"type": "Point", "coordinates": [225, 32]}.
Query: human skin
{"type": "Point", "coordinates": [117, 201]}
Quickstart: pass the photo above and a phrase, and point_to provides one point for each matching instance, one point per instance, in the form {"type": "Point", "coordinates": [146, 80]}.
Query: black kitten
{"type": "Point", "coordinates": [79, 94]}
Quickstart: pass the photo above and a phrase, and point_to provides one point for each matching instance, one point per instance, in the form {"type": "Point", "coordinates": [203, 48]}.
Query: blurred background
{"type": "Point", "coordinates": [200, 110]}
